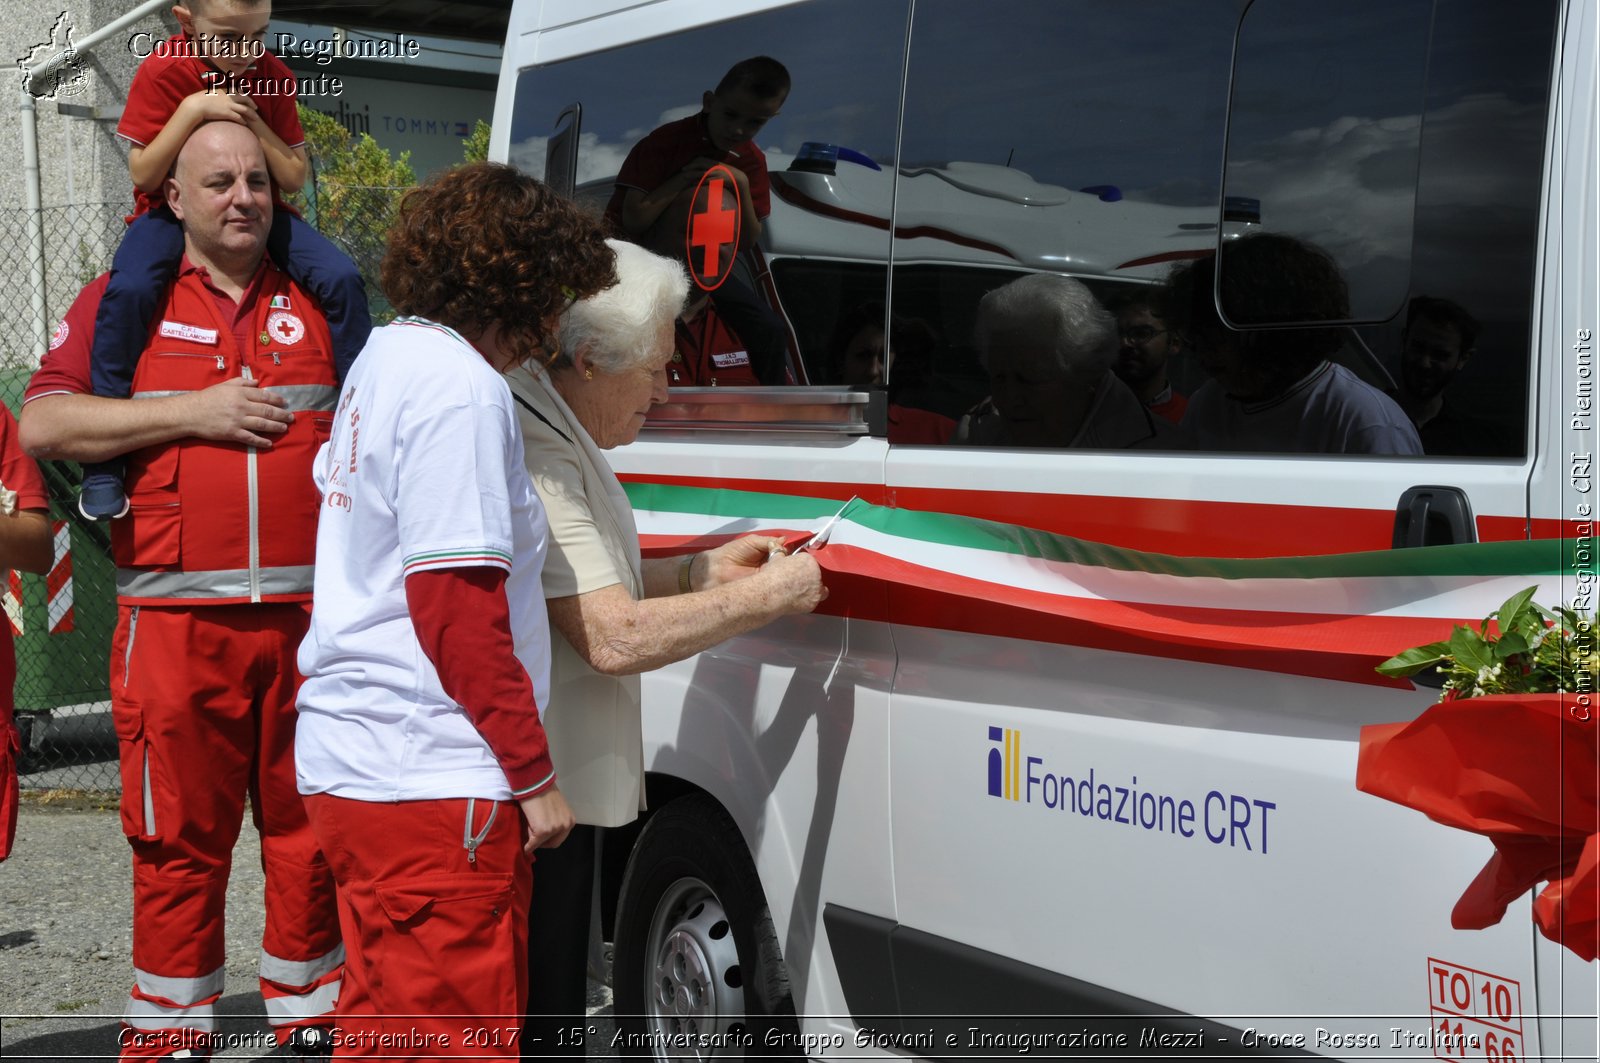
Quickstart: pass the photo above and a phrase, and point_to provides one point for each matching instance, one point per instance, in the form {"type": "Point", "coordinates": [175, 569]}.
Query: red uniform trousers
{"type": "Point", "coordinates": [203, 702]}
{"type": "Point", "coordinates": [10, 746]}
{"type": "Point", "coordinates": [437, 933]}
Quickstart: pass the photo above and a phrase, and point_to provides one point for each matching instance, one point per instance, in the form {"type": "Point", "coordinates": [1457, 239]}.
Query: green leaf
{"type": "Point", "coordinates": [1415, 660]}
{"type": "Point", "coordinates": [1511, 645]}
{"type": "Point", "coordinates": [1470, 650]}
{"type": "Point", "coordinates": [476, 147]}
{"type": "Point", "coordinates": [1509, 613]}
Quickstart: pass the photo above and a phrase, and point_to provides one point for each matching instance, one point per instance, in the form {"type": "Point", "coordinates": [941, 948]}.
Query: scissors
{"type": "Point", "coordinates": [820, 539]}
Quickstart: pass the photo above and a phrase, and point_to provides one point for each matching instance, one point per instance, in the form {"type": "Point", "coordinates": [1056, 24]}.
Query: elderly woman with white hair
{"type": "Point", "coordinates": [613, 616]}
{"type": "Point", "coordinates": [1048, 346]}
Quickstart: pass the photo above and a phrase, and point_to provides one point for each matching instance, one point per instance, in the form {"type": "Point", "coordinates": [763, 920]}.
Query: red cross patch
{"type": "Point", "coordinates": [59, 336]}
{"type": "Point", "coordinates": [285, 327]}
{"type": "Point", "coordinates": [712, 238]}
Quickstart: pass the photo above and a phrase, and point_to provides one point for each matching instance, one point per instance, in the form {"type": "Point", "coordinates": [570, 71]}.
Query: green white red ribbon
{"type": "Point", "coordinates": [1332, 617]}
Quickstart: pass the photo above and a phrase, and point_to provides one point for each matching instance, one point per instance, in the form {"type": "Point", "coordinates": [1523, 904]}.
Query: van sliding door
{"type": "Point", "coordinates": [1111, 144]}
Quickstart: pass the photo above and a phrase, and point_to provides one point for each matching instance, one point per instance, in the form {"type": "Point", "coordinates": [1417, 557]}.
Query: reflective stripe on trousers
{"type": "Point", "coordinates": [159, 1002]}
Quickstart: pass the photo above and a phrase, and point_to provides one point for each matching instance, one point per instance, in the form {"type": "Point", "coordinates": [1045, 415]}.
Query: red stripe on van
{"type": "Point", "coordinates": [1184, 527]}
{"type": "Point", "coordinates": [873, 493]}
{"type": "Point", "coordinates": [1494, 529]}
{"type": "Point", "coordinates": [1167, 256]}
{"type": "Point", "coordinates": [789, 194]}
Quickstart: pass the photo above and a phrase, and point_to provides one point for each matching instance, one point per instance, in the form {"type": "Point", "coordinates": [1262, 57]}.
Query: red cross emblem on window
{"type": "Point", "coordinates": [712, 239]}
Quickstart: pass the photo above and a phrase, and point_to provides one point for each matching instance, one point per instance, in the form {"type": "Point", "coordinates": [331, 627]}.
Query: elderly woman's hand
{"type": "Point", "coordinates": [798, 581]}
{"type": "Point", "coordinates": [735, 560]}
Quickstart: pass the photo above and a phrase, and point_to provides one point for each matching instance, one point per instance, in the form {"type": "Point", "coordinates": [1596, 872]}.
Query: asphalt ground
{"type": "Point", "coordinates": [66, 939]}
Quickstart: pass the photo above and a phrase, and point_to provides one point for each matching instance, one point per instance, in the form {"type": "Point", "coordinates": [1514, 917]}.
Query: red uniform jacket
{"type": "Point", "coordinates": [223, 523]}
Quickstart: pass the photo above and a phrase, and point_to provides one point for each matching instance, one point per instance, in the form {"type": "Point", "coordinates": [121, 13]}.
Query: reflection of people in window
{"type": "Point", "coordinates": [671, 160]}
{"type": "Point", "coordinates": [1048, 347]}
{"type": "Point", "coordinates": [859, 358]}
{"type": "Point", "coordinates": [1147, 346]}
{"type": "Point", "coordinates": [662, 171]}
{"type": "Point", "coordinates": [708, 353]}
{"type": "Point", "coordinates": [1440, 338]}
{"type": "Point", "coordinates": [1275, 390]}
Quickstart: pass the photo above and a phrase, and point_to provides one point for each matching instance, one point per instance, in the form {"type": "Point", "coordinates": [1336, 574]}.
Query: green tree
{"type": "Point", "coordinates": [355, 188]}
{"type": "Point", "coordinates": [476, 147]}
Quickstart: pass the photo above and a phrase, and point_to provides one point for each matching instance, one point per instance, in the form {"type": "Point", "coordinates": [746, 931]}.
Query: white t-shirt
{"type": "Point", "coordinates": [1328, 411]}
{"type": "Point", "coordinates": [424, 471]}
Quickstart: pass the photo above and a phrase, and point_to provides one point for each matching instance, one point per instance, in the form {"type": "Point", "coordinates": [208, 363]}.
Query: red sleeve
{"type": "Point", "coordinates": [18, 471]}
{"type": "Point", "coordinates": [159, 85]}
{"type": "Point", "coordinates": [650, 163]}
{"type": "Point", "coordinates": [464, 624]}
{"type": "Point", "coordinates": [65, 367]}
{"type": "Point", "coordinates": [278, 109]}
{"type": "Point", "coordinates": [630, 176]}
{"type": "Point", "coordinates": [755, 167]}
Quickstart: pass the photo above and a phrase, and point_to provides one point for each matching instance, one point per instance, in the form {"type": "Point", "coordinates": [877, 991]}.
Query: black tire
{"type": "Point", "coordinates": [698, 970]}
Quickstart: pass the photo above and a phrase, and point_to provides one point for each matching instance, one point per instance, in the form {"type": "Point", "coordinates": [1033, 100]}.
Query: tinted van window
{"type": "Point", "coordinates": [1094, 141]}
{"type": "Point", "coordinates": [844, 60]}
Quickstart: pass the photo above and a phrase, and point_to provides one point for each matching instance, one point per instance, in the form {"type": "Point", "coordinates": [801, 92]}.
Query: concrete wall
{"type": "Point", "coordinates": [80, 158]}
{"type": "Point", "coordinates": [84, 181]}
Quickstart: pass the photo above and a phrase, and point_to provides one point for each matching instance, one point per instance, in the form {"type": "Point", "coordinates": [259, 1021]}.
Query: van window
{"type": "Point", "coordinates": [1094, 141]}
{"type": "Point", "coordinates": [844, 60]}
{"type": "Point", "coordinates": [1325, 130]}
{"type": "Point", "coordinates": [1080, 138]}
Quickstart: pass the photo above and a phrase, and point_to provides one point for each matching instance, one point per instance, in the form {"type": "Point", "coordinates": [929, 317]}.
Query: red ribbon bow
{"type": "Point", "coordinates": [1524, 771]}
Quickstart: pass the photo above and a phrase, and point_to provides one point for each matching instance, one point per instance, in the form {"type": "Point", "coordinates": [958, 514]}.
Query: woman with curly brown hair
{"type": "Point", "coordinates": [420, 749]}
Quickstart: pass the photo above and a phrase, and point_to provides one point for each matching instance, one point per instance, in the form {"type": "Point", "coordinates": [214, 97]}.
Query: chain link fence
{"type": "Point", "coordinates": [62, 622]}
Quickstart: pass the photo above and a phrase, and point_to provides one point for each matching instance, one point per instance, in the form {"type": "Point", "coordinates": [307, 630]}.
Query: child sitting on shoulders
{"type": "Point", "coordinates": [216, 69]}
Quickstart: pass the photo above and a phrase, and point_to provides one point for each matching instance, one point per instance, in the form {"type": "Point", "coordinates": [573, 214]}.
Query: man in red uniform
{"type": "Point", "coordinates": [231, 398]}
{"type": "Point", "coordinates": [708, 352]}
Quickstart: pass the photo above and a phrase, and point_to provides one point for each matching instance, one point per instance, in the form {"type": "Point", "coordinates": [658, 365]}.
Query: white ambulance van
{"type": "Point", "coordinates": [897, 827]}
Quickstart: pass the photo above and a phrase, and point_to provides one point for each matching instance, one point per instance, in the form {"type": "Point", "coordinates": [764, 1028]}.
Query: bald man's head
{"type": "Point", "coordinates": [212, 140]}
{"type": "Point", "coordinates": [222, 192]}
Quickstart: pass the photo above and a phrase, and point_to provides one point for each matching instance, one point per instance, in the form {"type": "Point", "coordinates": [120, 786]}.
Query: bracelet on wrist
{"type": "Point", "coordinates": [685, 570]}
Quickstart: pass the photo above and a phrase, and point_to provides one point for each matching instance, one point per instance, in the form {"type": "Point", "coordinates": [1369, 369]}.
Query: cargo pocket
{"type": "Point", "coordinates": [149, 535]}
{"type": "Point", "coordinates": [133, 757]}
{"type": "Point", "coordinates": [455, 932]}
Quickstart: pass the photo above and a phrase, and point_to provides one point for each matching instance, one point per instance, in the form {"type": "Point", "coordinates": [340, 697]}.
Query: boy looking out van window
{"type": "Point", "coordinates": [216, 69]}
{"type": "Point", "coordinates": [669, 162]}
{"type": "Point", "coordinates": [662, 171]}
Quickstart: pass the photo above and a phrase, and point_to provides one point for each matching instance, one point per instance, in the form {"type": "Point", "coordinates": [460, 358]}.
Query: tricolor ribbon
{"type": "Point", "coordinates": [1331, 617]}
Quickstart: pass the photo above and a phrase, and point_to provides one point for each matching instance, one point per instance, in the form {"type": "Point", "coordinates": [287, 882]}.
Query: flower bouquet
{"type": "Point", "coordinates": [1510, 752]}
{"type": "Point", "coordinates": [1536, 651]}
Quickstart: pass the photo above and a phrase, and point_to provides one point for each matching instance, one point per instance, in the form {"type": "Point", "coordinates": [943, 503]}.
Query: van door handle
{"type": "Point", "coordinates": [1433, 516]}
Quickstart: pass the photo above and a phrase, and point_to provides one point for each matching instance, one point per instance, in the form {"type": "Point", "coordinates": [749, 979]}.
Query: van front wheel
{"type": "Point", "coordinates": [698, 972]}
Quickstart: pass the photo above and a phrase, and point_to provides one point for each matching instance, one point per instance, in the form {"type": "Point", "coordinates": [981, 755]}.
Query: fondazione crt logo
{"type": "Point", "coordinates": [1220, 816]}
{"type": "Point", "coordinates": [1004, 761]}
